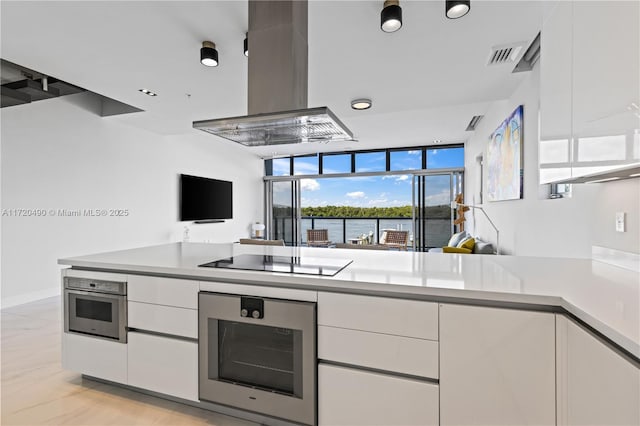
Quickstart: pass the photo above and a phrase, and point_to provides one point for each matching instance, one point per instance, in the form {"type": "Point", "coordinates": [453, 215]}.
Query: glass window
{"type": "Point", "coordinates": [444, 158]}
{"type": "Point", "coordinates": [406, 160]}
{"type": "Point", "coordinates": [281, 166]}
{"type": "Point", "coordinates": [371, 162]}
{"type": "Point", "coordinates": [307, 165]}
{"type": "Point", "coordinates": [337, 163]}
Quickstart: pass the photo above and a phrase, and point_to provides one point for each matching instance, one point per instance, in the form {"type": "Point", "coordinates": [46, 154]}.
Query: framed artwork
{"type": "Point", "coordinates": [504, 159]}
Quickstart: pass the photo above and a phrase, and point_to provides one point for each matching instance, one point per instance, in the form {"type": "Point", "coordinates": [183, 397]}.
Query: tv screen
{"type": "Point", "coordinates": [204, 199]}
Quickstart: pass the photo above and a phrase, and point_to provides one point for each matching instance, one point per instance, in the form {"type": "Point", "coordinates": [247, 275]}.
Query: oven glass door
{"type": "Point", "coordinates": [94, 313]}
{"type": "Point", "coordinates": [264, 357]}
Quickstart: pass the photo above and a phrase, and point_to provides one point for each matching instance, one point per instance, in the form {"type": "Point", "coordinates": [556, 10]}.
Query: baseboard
{"type": "Point", "coordinates": [622, 259]}
{"type": "Point", "coordinates": [32, 296]}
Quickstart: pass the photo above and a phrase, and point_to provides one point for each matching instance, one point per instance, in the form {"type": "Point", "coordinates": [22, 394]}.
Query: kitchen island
{"type": "Point", "coordinates": [538, 314]}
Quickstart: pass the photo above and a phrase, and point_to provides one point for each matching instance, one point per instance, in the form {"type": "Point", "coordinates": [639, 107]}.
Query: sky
{"type": "Point", "coordinates": [367, 191]}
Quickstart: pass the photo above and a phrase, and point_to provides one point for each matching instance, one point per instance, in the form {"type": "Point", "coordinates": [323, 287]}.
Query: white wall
{"type": "Point", "coordinates": [59, 154]}
{"type": "Point", "coordinates": [535, 225]}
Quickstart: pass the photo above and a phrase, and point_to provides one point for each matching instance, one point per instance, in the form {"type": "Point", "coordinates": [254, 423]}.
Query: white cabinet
{"type": "Point", "coordinates": [350, 397]}
{"type": "Point", "coordinates": [596, 385]}
{"type": "Point", "coordinates": [95, 357]}
{"type": "Point", "coordinates": [497, 366]}
{"type": "Point", "coordinates": [398, 317]}
{"type": "Point", "coordinates": [555, 94]}
{"type": "Point", "coordinates": [405, 355]}
{"type": "Point", "coordinates": [163, 291]}
{"type": "Point", "coordinates": [163, 319]}
{"type": "Point", "coordinates": [589, 88]}
{"type": "Point", "coordinates": [378, 361]}
{"type": "Point", "coordinates": [162, 364]}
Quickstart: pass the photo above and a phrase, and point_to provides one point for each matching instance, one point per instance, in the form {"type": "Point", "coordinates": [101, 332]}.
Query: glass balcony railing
{"type": "Point", "coordinates": [355, 229]}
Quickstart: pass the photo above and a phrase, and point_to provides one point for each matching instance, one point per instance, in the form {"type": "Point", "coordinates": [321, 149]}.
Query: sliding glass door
{"type": "Point", "coordinates": [283, 211]}
{"type": "Point", "coordinates": [432, 213]}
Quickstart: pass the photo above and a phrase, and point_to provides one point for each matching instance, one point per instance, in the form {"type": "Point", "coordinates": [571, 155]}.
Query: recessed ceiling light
{"type": "Point", "coordinates": [437, 140]}
{"type": "Point", "coordinates": [209, 54]}
{"type": "Point", "coordinates": [391, 16]}
{"type": "Point", "coordinates": [147, 92]}
{"type": "Point", "coordinates": [361, 104]}
{"type": "Point", "coordinates": [457, 8]}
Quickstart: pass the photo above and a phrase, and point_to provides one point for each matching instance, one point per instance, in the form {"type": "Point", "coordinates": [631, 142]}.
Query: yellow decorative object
{"type": "Point", "coordinates": [456, 250]}
{"type": "Point", "coordinates": [468, 244]}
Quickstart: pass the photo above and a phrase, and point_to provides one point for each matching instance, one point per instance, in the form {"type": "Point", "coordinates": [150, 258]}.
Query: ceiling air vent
{"type": "Point", "coordinates": [505, 53]}
{"type": "Point", "coordinates": [473, 123]}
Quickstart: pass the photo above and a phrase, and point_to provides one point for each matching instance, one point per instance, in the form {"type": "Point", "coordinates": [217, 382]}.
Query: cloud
{"type": "Point", "coordinates": [356, 194]}
{"type": "Point", "coordinates": [379, 201]}
{"type": "Point", "coordinates": [305, 168]}
{"type": "Point", "coordinates": [416, 152]}
{"type": "Point", "coordinates": [438, 199]}
{"type": "Point", "coordinates": [309, 184]}
{"type": "Point", "coordinates": [396, 178]}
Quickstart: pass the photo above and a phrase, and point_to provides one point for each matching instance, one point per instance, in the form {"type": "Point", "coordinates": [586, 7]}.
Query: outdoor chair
{"type": "Point", "coordinates": [318, 238]}
{"type": "Point", "coordinates": [262, 242]}
{"type": "Point", "coordinates": [396, 239]}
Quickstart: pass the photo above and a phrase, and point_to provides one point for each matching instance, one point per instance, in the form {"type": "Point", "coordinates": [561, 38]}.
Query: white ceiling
{"type": "Point", "coordinates": [426, 80]}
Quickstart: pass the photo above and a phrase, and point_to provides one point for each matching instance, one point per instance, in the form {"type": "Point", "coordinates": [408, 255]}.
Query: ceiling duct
{"type": "Point", "coordinates": [473, 123]}
{"type": "Point", "coordinates": [277, 83]}
{"type": "Point", "coordinates": [530, 57]}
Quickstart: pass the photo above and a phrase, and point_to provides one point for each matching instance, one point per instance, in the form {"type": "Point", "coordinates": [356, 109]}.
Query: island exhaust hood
{"type": "Point", "coordinates": [277, 86]}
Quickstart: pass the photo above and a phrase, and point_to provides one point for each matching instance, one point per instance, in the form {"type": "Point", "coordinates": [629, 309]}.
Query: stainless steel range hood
{"type": "Point", "coordinates": [303, 125]}
{"type": "Point", "coordinates": [277, 86]}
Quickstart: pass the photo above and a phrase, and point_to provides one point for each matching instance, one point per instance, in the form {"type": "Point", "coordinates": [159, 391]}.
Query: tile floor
{"type": "Point", "coordinates": [35, 390]}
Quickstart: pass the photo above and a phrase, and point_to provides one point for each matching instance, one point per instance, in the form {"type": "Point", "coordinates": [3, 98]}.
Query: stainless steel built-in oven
{"type": "Point", "coordinates": [95, 307]}
{"type": "Point", "coordinates": [259, 354]}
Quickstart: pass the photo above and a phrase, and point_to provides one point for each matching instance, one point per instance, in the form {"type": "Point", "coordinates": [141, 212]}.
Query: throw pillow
{"type": "Point", "coordinates": [467, 243]}
{"type": "Point", "coordinates": [456, 250]}
{"type": "Point", "coordinates": [483, 247]}
{"type": "Point", "coordinates": [456, 238]}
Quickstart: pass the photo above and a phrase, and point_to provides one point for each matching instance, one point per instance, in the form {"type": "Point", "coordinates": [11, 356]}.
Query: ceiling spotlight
{"type": "Point", "coordinates": [147, 92]}
{"type": "Point", "coordinates": [391, 16]}
{"type": "Point", "coordinates": [209, 54]}
{"type": "Point", "coordinates": [246, 45]}
{"type": "Point", "coordinates": [457, 8]}
{"type": "Point", "coordinates": [361, 104]}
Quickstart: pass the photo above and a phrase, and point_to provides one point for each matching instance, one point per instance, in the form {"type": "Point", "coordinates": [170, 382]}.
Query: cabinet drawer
{"type": "Point", "coordinates": [95, 357]}
{"type": "Point", "coordinates": [163, 291]}
{"type": "Point", "coordinates": [162, 364]}
{"type": "Point", "coordinates": [405, 355]}
{"type": "Point", "coordinates": [380, 315]}
{"type": "Point", "coordinates": [163, 319]}
{"type": "Point", "coordinates": [351, 397]}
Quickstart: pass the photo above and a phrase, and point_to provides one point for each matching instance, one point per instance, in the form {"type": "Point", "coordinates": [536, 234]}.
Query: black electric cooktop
{"type": "Point", "coordinates": [291, 264]}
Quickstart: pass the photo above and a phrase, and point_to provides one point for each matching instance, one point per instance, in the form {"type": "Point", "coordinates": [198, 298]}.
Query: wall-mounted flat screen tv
{"type": "Point", "coordinates": [203, 199]}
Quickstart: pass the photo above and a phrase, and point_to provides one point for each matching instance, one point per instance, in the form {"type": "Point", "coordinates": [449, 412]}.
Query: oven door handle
{"type": "Point", "coordinates": [95, 293]}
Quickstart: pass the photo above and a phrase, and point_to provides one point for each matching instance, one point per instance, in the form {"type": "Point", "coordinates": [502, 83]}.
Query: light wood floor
{"type": "Point", "coordinates": [35, 390]}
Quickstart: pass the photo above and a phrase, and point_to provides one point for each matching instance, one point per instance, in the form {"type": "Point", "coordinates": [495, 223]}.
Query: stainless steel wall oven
{"type": "Point", "coordinates": [95, 307]}
{"type": "Point", "coordinates": [259, 354]}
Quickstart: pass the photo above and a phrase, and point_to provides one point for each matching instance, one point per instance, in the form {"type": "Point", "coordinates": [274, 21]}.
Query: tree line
{"type": "Point", "coordinates": [434, 212]}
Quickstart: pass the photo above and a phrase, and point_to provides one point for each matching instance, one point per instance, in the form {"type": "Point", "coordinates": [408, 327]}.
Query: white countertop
{"type": "Point", "coordinates": [605, 297]}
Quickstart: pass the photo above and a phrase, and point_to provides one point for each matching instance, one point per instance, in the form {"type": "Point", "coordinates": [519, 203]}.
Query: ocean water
{"type": "Point", "coordinates": [438, 230]}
